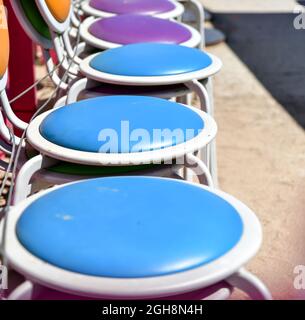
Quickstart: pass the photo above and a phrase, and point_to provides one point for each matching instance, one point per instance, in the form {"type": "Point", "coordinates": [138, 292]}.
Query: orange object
{"type": "Point", "coordinates": [4, 41]}
{"type": "Point", "coordinates": [59, 8]}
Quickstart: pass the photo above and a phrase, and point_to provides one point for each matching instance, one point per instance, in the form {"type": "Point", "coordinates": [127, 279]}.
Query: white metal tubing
{"type": "Point", "coordinates": [205, 94]}
{"type": "Point", "coordinates": [62, 56]}
{"type": "Point", "coordinates": [200, 169]}
{"type": "Point", "coordinates": [72, 52]}
{"type": "Point", "coordinates": [60, 102]}
{"type": "Point", "coordinates": [4, 132]}
{"type": "Point", "coordinates": [77, 87]}
{"type": "Point", "coordinates": [202, 93]}
{"type": "Point", "coordinates": [213, 148]}
{"type": "Point", "coordinates": [3, 81]}
{"type": "Point", "coordinates": [198, 88]}
{"type": "Point", "coordinates": [22, 292]}
{"type": "Point", "coordinates": [53, 73]}
{"type": "Point", "coordinates": [199, 11]}
{"type": "Point", "coordinates": [76, 14]}
{"type": "Point", "coordinates": [6, 148]}
{"type": "Point", "coordinates": [10, 113]}
{"type": "Point", "coordinates": [22, 185]}
{"type": "Point", "coordinates": [250, 284]}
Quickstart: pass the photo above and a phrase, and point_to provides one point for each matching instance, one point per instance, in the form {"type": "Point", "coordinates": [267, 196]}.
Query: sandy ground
{"type": "Point", "coordinates": [260, 108]}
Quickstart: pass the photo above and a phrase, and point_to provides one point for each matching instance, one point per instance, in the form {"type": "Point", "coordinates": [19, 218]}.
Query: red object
{"type": "Point", "coordinates": [21, 67]}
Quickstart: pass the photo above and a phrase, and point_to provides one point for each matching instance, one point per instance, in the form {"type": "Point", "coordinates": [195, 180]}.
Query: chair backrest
{"type": "Point", "coordinates": [32, 22]}
{"type": "Point", "coordinates": [59, 9]}
{"type": "Point", "coordinates": [4, 46]}
{"type": "Point", "coordinates": [57, 13]}
{"type": "Point", "coordinates": [35, 18]}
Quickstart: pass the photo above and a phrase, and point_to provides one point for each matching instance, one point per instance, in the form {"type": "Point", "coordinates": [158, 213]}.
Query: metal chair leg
{"type": "Point", "coordinates": [22, 292]}
{"type": "Point", "coordinates": [23, 186]}
{"type": "Point", "coordinates": [250, 284]}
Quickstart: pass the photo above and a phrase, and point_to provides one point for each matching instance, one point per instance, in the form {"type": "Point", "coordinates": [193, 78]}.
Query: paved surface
{"type": "Point", "coordinates": [260, 110]}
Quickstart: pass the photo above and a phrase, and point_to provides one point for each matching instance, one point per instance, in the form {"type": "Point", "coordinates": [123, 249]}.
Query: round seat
{"type": "Point", "coordinates": [129, 227]}
{"type": "Point", "coordinates": [150, 59]}
{"type": "Point", "coordinates": [133, 6]}
{"type": "Point", "coordinates": [127, 29]}
{"type": "Point", "coordinates": [121, 124]}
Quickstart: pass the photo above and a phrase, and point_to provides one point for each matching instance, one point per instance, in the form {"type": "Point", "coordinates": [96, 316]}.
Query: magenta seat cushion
{"type": "Point", "coordinates": [128, 29]}
{"type": "Point", "coordinates": [149, 7]}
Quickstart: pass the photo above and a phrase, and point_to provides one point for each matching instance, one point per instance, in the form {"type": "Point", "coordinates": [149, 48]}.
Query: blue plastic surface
{"type": "Point", "coordinates": [121, 124]}
{"type": "Point", "coordinates": [150, 59]}
{"type": "Point", "coordinates": [129, 227]}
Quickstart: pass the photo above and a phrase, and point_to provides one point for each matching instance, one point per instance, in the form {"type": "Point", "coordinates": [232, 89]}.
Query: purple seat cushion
{"type": "Point", "coordinates": [128, 29]}
{"type": "Point", "coordinates": [149, 7]}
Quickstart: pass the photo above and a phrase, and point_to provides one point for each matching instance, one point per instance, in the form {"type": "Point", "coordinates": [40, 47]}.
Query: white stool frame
{"type": "Point", "coordinates": [227, 268]}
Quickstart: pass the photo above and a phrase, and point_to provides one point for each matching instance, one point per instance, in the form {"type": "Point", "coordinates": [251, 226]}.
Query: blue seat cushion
{"type": "Point", "coordinates": [150, 59]}
{"type": "Point", "coordinates": [129, 227]}
{"type": "Point", "coordinates": [121, 124]}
